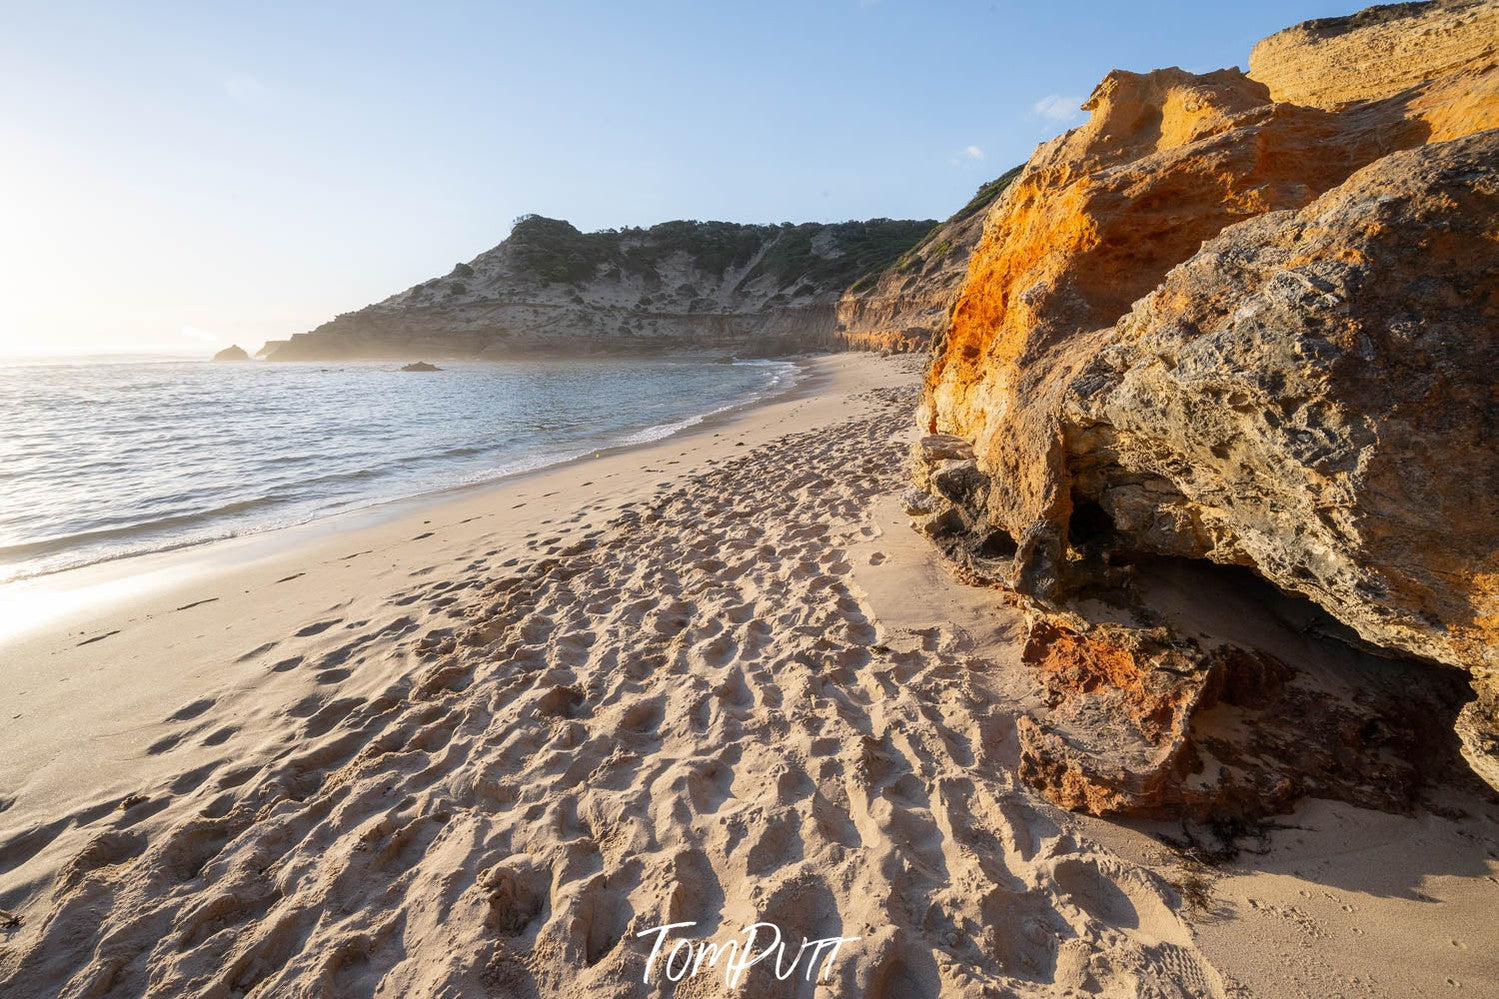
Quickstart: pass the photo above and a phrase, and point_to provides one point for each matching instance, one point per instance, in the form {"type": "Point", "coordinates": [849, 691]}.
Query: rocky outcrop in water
{"type": "Point", "coordinates": [233, 352]}
{"type": "Point", "coordinates": [1211, 325]}
{"type": "Point", "coordinates": [551, 291]}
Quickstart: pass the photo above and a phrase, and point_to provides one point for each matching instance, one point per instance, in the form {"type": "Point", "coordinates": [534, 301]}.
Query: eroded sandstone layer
{"type": "Point", "coordinates": [1375, 53]}
{"type": "Point", "coordinates": [907, 305]}
{"type": "Point", "coordinates": [1208, 324]}
{"type": "Point", "coordinates": [1312, 395]}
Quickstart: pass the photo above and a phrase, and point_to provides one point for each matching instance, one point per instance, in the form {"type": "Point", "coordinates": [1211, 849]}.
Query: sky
{"type": "Point", "coordinates": [179, 176]}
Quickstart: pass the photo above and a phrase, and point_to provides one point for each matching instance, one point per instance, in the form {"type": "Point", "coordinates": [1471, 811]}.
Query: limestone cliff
{"type": "Point", "coordinates": [1376, 53]}
{"type": "Point", "coordinates": [1312, 395]}
{"type": "Point", "coordinates": [550, 290]}
{"type": "Point", "coordinates": [1215, 325]}
{"type": "Point", "coordinates": [908, 304]}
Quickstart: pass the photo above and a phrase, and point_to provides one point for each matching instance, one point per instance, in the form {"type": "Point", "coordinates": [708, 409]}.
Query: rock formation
{"type": "Point", "coordinates": [233, 352]}
{"type": "Point", "coordinates": [1375, 53]}
{"type": "Point", "coordinates": [420, 366]}
{"type": "Point", "coordinates": [1312, 394]}
{"type": "Point", "coordinates": [905, 306]}
{"type": "Point", "coordinates": [550, 290]}
{"type": "Point", "coordinates": [1209, 324]}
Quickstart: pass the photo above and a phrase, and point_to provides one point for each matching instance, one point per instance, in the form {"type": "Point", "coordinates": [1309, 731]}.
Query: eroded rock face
{"type": "Point", "coordinates": [947, 504]}
{"type": "Point", "coordinates": [549, 290]}
{"type": "Point", "coordinates": [1312, 395]}
{"type": "Point", "coordinates": [905, 307]}
{"type": "Point", "coordinates": [1213, 326]}
{"type": "Point", "coordinates": [1122, 700]}
{"type": "Point", "coordinates": [1095, 221]}
{"type": "Point", "coordinates": [1376, 53]}
{"type": "Point", "coordinates": [1145, 724]}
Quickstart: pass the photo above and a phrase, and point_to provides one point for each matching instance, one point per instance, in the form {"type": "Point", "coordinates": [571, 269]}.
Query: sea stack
{"type": "Point", "coordinates": [234, 352]}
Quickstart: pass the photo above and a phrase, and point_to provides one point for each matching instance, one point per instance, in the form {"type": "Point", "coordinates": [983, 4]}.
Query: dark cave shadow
{"type": "Point", "coordinates": [1452, 827]}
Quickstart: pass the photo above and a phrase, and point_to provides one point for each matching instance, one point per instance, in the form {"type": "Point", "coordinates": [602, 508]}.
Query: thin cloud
{"type": "Point", "coordinates": [968, 154]}
{"type": "Point", "coordinates": [201, 336]}
{"type": "Point", "coordinates": [1056, 107]}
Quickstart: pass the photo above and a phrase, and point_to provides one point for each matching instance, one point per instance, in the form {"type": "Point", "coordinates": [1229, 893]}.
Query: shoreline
{"type": "Point", "coordinates": [110, 623]}
{"type": "Point", "coordinates": [482, 745]}
{"type": "Point", "coordinates": [41, 600]}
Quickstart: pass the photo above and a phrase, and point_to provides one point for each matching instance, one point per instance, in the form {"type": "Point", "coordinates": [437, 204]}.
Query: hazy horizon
{"type": "Point", "coordinates": [185, 178]}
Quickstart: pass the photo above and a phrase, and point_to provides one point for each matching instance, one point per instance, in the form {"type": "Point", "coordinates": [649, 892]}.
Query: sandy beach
{"type": "Point", "coordinates": [483, 745]}
{"type": "Point", "coordinates": [1053, 555]}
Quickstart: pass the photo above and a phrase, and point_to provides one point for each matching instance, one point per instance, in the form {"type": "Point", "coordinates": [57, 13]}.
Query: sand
{"type": "Point", "coordinates": [479, 745]}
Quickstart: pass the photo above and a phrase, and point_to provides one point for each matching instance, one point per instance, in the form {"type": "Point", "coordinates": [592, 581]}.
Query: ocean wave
{"type": "Point", "coordinates": [160, 460]}
{"type": "Point", "coordinates": [134, 529]}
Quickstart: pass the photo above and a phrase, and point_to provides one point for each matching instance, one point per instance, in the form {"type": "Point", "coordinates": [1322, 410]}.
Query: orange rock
{"type": "Point", "coordinates": [1376, 53]}
{"type": "Point", "coordinates": [1139, 723]}
{"type": "Point", "coordinates": [908, 304]}
{"type": "Point", "coordinates": [1099, 216]}
{"type": "Point", "coordinates": [1045, 366]}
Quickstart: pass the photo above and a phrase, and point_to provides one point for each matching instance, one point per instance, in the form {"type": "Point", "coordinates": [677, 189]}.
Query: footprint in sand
{"type": "Point", "coordinates": [257, 652]}
{"type": "Point", "coordinates": [317, 629]}
{"type": "Point", "coordinates": [163, 744]}
{"type": "Point", "coordinates": [220, 736]}
{"type": "Point", "coordinates": [1096, 895]}
{"type": "Point", "coordinates": [193, 779]}
{"type": "Point", "coordinates": [329, 715]}
{"type": "Point", "coordinates": [191, 711]}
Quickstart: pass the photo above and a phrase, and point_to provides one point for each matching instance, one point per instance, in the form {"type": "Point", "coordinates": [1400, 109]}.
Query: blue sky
{"type": "Point", "coordinates": [179, 176]}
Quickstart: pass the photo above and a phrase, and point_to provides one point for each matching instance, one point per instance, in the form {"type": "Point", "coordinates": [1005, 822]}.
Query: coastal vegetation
{"type": "Point", "coordinates": [819, 256]}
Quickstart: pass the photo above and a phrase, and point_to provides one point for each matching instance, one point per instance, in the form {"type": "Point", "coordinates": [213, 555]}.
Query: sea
{"type": "Point", "coordinates": [102, 460]}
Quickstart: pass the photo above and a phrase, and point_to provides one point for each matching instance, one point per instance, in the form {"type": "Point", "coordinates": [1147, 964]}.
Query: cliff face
{"type": "Point", "coordinates": [1376, 53]}
{"type": "Point", "coordinates": [908, 304]}
{"type": "Point", "coordinates": [1211, 325]}
{"type": "Point", "coordinates": [1096, 219]}
{"type": "Point", "coordinates": [549, 290]}
{"type": "Point", "coordinates": [1311, 394]}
